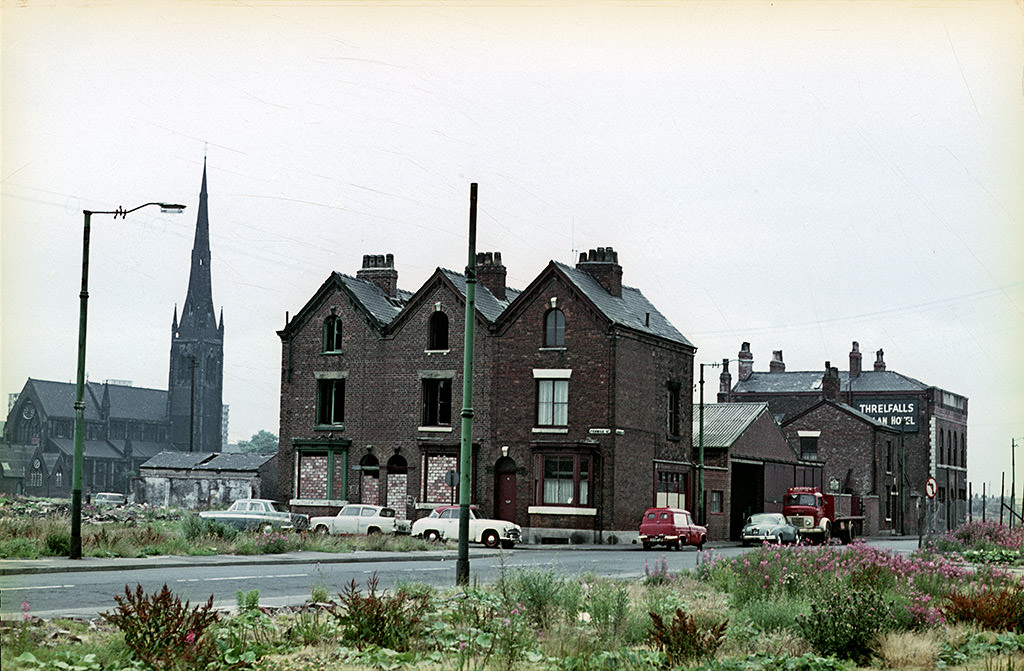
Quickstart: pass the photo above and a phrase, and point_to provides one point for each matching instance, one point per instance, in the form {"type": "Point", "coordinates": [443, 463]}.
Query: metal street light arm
{"type": "Point", "coordinates": [121, 212]}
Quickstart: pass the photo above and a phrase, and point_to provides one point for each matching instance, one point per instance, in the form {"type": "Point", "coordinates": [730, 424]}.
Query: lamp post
{"type": "Point", "coordinates": [700, 447]}
{"type": "Point", "coordinates": [76, 472]}
{"type": "Point", "coordinates": [701, 513]}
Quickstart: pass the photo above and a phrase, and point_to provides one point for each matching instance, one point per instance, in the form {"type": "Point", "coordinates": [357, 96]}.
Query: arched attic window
{"type": "Point", "coordinates": [332, 334]}
{"type": "Point", "coordinates": [437, 331]}
{"type": "Point", "coordinates": [554, 328]}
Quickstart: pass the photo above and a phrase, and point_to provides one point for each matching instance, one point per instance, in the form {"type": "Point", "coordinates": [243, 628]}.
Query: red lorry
{"type": "Point", "coordinates": [816, 517]}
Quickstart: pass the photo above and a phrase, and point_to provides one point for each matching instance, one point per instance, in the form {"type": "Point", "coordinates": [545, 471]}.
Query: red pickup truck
{"type": "Point", "coordinates": [671, 527]}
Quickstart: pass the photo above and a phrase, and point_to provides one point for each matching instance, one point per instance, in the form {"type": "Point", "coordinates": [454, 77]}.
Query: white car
{"type": "Point", "coordinates": [443, 524]}
{"type": "Point", "coordinates": [358, 518]}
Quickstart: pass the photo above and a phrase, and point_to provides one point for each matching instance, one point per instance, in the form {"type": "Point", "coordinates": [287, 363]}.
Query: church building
{"type": "Point", "coordinates": [125, 425]}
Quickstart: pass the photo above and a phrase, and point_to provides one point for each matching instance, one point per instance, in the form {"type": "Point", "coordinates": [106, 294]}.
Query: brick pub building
{"type": "Point", "coordinates": [581, 398]}
{"type": "Point", "coordinates": [868, 427]}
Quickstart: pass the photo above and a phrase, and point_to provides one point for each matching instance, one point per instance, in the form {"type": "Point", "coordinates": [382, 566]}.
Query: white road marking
{"type": "Point", "coordinates": [15, 589]}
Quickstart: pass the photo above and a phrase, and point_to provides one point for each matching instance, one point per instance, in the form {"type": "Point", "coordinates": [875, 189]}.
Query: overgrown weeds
{"type": "Point", "coordinates": [164, 633]}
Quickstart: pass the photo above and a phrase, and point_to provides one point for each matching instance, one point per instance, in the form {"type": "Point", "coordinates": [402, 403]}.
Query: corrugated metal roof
{"type": "Point", "coordinates": [631, 310]}
{"type": "Point", "coordinates": [724, 423]}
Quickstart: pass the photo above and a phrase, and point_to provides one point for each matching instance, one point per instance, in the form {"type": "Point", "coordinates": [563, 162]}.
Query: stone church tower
{"type": "Point", "coordinates": [196, 378]}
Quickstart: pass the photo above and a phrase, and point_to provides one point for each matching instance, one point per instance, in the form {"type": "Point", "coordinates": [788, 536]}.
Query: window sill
{"type": "Point", "coordinates": [434, 429]}
{"type": "Point", "coordinates": [542, 429]}
{"type": "Point", "coordinates": [332, 352]}
{"type": "Point", "coordinates": [432, 352]}
{"type": "Point", "coordinates": [561, 510]}
{"type": "Point", "coordinates": [328, 427]}
{"type": "Point", "coordinates": [552, 349]}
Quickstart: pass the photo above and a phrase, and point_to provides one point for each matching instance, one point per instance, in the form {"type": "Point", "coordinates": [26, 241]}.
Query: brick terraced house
{"type": "Point", "coordinates": [924, 426]}
{"type": "Point", "coordinates": [581, 398]}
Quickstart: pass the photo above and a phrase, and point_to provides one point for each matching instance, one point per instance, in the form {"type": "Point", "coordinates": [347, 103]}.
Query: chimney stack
{"type": "Point", "coordinates": [746, 362]}
{"type": "Point", "coordinates": [491, 273]}
{"type": "Point", "coordinates": [879, 361]}
{"type": "Point", "coordinates": [830, 385]}
{"type": "Point", "coordinates": [855, 360]}
{"type": "Point", "coordinates": [603, 265]}
{"type": "Point", "coordinates": [724, 383]}
{"type": "Point", "coordinates": [777, 365]}
{"type": "Point", "coordinates": [380, 269]}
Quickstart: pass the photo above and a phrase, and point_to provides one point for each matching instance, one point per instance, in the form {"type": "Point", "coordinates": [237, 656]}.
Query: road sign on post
{"type": "Point", "coordinates": [930, 487]}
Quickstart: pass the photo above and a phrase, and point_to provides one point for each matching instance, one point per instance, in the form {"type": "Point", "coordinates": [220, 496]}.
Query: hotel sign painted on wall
{"type": "Point", "coordinates": [898, 413]}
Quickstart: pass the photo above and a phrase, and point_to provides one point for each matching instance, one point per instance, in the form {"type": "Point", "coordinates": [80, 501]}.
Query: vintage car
{"type": "Point", "coordinates": [768, 528]}
{"type": "Point", "coordinates": [671, 527]}
{"type": "Point", "coordinates": [359, 518]}
{"type": "Point", "coordinates": [109, 499]}
{"type": "Point", "coordinates": [443, 524]}
{"type": "Point", "coordinates": [261, 514]}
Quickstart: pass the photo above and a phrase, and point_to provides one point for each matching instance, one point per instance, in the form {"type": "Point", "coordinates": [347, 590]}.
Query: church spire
{"type": "Point", "coordinates": [197, 314]}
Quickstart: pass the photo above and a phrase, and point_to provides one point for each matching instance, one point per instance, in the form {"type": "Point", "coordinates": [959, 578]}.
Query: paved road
{"type": "Point", "coordinates": [84, 588]}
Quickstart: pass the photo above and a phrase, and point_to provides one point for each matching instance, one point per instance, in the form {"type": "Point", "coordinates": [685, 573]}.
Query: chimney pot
{"type": "Point", "coordinates": [879, 360]}
{"type": "Point", "coordinates": [603, 265]}
{"type": "Point", "coordinates": [380, 270]}
{"type": "Point", "coordinates": [777, 365]}
{"type": "Point", "coordinates": [855, 360]}
{"type": "Point", "coordinates": [746, 363]}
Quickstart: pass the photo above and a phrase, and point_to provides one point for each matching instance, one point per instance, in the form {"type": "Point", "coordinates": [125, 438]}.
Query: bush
{"type": "Point", "coordinates": [193, 527]}
{"type": "Point", "coordinates": [999, 609]}
{"type": "Point", "coordinates": [684, 639]}
{"type": "Point", "coordinates": [376, 618]}
{"type": "Point", "coordinates": [58, 543]}
{"type": "Point", "coordinates": [162, 632]}
{"type": "Point", "coordinates": [842, 623]}
{"type": "Point", "coordinates": [543, 594]}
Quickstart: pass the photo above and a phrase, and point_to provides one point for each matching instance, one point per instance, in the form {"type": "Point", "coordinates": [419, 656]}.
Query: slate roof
{"type": "Point", "coordinates": [486, 303]}
{"type": "Point", "coordinates": [724, 423]}
{"type": "Point", "coordinates": [177, 460]}
{"type": "Point", "coordinates": [14, 460]}
{"type": "Point", "coordinates": [133, 403]}
{"type": "Point", "coordinates": [810, 382]}
{"type": "Point", "coordinates": [631, 310]}
{"type": "Point", "coordinates": [136, 403]}
{"type": "Point", "coordinates": [94, 449]}
{"type": "Point", "coordinates": [236, 462]}
{"type": "Point", "coordinates": [143, 449]}
{"type": "Point", "coordinates": [382, 307]}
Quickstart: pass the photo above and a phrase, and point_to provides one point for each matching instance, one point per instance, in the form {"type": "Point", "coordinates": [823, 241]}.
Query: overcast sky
{"type": "Point", "coordinates": [798, 175]}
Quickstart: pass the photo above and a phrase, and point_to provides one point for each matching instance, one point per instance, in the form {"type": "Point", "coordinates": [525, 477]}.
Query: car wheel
{"type": "Point", "coordinates": [647, 546]}
{"type": "Point", "coordinates": [267, 528]}
{"type": "Point", "coordinates": [321, 530]}
{"type": "Point", "coordinates": [508, 545]}
{"type": "Point", "coordinates": [431, 535]}
{"type": "Point", "coordinates": [700, 544]}
{"type": "Point", "coordinates": [372, 531]}
{"type": "Point", "coordinates": [490, 539]}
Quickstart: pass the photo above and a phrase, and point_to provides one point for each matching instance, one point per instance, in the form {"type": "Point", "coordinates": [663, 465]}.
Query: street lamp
{"type": "Point", "coordinates": [76, 473]}
{"type": "Point", "coordinates": [701, 513]}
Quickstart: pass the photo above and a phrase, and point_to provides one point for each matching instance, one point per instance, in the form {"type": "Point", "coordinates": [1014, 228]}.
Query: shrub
{"type": "Point", "coordinates": [376, 618]}
{"type": "Point", "coordinates": [684, 638]}
{"type": "Point", "coordinates": [58, 543]}
{"type": "Point", "coordinates": [776, 614]}
{"type": "Point", "coordinates": [162, 632]}
{"type": "Point", "coordinates": [999, 609]}
{"type": "Point", "coordinates": [842, 622]}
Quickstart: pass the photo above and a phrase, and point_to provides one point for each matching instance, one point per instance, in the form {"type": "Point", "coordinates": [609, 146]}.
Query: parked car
{"type": "Point", "coordinates": [671, 527]}
{"type": "Point", "coordinates": [768, 528]}
{"type": "Point", "coordinates": [258, 514]}
{"type": "Point", "coordinates": [358, 518]}
{"type": "Point", "coordinates": [109, 499]}
{"type": "Point", "coordinates": [443, 524]}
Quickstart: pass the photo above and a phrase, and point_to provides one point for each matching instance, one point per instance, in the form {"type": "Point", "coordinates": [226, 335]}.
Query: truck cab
{"type": "Point", "coordinates": [815, 517]}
